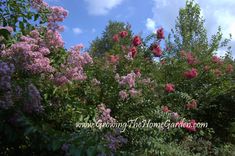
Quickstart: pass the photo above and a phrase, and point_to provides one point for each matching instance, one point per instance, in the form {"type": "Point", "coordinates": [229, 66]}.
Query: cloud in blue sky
{"type": "Point", "coordinates": [88, 18]}
{"type": "Point", "coordinates": [77, 31]}
{"type": "Point", "coordinates": [150, 24]}
{"type": "Point", "coordinates": [101, 7]}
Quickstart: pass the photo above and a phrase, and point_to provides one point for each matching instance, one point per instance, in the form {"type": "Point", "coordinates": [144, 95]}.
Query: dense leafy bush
{"type": "Point", "coordinates": [48, 91]}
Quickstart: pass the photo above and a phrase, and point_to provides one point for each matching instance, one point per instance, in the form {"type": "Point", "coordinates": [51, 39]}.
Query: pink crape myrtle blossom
{"type": "Point", "coordinates": [169, 88]}
{"type": "Point", "coordinates": [123, 94]}
{"type": "Point", "coordinates": [105, 116]}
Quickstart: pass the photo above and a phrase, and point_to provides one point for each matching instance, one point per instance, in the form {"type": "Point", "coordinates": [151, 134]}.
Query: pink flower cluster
{"type": "Point", "coordinates": [105, 116]}
{"type": "Point", "coordinates": [192, 105]}
{"type": "Point", "coordinates": [56, 14]}
{"type": "Point", "coordinates": [73, 68]}
{"type": "Point", "coordinates": [31, 53]}
{"type": "Point", "coordinates": [53, 39]}
{"type": "Point", "coordinates": [169, 88]}
{"type": "Point", "coordinates": [191, 73]}
{"type": "Point", "coordinates": [191, 59]}
{"type": "Point", "coordinates": [129, 79]}
{"type": "Point", "coordinates": [156, 50]}
{"type": "Point", "coordinates": [160, 33]}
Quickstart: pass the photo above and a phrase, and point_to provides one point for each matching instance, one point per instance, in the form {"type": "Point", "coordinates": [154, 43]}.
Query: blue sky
{"type": "Point", "coordinates": [88, 18]}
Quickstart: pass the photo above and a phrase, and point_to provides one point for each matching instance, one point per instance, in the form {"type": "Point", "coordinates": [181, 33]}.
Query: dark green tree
{"type": "Point", "coordinates": [103, 44]}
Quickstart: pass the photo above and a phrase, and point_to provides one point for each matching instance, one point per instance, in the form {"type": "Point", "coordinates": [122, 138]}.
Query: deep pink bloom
{"type": "Point", "coordinates": [165, 109]}
{"type": "Point", "coordinates": [157, 50]}
{"type": "Point", "coordinates": [136, 41]}
{"type": "Point", "coordinates": [216, 59]}
{"type": "Point", "coordinates": [123, 34]}
{"type": "Point", "coordinates": [191, 126]}
{"type": "Point", "coordinates": [133, 52]}
{"type": "Point", "coordinates": [160, 33]}
{"type": "Point", "coordinates": [191, 59]}
{"type": "Point", "coordinates": [169, 88]}
{"type": "Point", "coordinates": [191, 73]}
{"type": "Point", "coordinates": [115, 38]}
{"type": "Point", "coordinates": [192, 105]}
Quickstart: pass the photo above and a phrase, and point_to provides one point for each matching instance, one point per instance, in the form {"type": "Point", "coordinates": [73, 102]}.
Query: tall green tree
{"type": "Point", "coordinates": [103, 44]}
{"type": "Point", "coordinates": [190, 33]}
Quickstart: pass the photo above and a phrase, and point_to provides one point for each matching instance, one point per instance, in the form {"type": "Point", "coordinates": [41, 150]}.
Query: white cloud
{"type": "Point", "coordinates": [93, 30]}
{"type": "Point", "coordinates": [216, 13]}
{"type": "Point", "coordinates": [77, 31]}
{"type": "Point", "coordinates": [101, 7]}
{"type": "Point", "coordinates": [150, 24]}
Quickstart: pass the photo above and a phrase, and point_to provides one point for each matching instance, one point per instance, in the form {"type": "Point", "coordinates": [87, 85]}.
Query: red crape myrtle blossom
{"type": "Point", "coordinates": [132, 52]}
{"type": "Point", "coordinates": [116, 38]}
{"type": "Point", "coordinates": [192, 105]}
{"type": "Point", "coordinates": [191, 126]}
{"type": "Point", "coordinates": [169, 88]}
{"type": "Point", "coordinates": [174, 116]}
{"type": "Point", "coordinates": [165, 109]}
{"type": "Point", "coordinates": [156, 50]}
{"type": "Point", "coordinates": [160, 33]}
{"type": "Point", "coordinates": [191, 73]}
{"type": "Point", "coordinates": [136, 41]}
{"type": "Point", "coordinates": [123, 34]}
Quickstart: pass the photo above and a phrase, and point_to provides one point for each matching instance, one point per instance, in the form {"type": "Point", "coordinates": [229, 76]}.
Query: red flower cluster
{"type": "Point", "coordinates": [192, 126]}
{"type": "Point", "coordinates": [123, 34]}
{"type": "Point", "coordinates": [133, 52]}
{"type": "Point", "coordinates": [136, 41]}
{"type": "Point", "coordinates": [165, 109]}
{"type": "Point", "coordinates": [116, 38]}
{"type": "Point", "coordinates": [169, 88]}
{"type": "Point", "coordinates": [192, 105]}
{"type": "Point", "coordinates": [156, 50]}
{"type": "Point", "coordinates": [160, 33]}
{"type": "Point", "coordinates": [191, 73]}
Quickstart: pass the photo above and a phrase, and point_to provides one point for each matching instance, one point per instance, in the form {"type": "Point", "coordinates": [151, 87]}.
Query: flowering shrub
{"type": "Point", "coordinates": [46, 90]}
